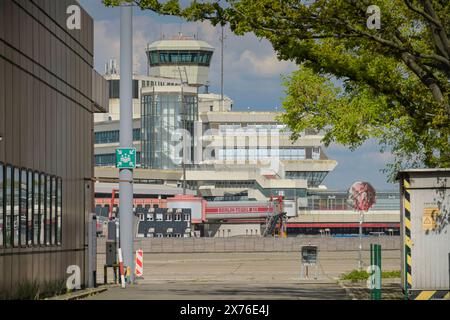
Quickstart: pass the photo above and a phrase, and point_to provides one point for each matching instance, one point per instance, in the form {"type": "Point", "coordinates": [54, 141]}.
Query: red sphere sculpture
{"type": "Point", "coordinates": [362, 196]}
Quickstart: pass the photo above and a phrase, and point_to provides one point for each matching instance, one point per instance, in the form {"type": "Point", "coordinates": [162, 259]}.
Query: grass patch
{"type": "Point", "coordinates": [357, 275]}
{"type": "Point", "coordinates": [33, 290]}
{"type": "Point", "coordinates": [390, 274]}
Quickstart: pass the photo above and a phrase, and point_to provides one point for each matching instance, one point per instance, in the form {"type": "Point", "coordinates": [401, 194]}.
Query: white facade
{"type": "Point", "coordinates": [212, 102]}
{"type": "Point", "coordinates": [233, 151]}
{"type": "Point", "coordinates": [139, 83]}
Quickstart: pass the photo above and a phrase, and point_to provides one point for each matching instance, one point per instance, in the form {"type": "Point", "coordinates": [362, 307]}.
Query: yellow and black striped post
{"type": "Point", "coordinates": [407, 233]}
{"type": "Point", "coordinates": [429, 294]}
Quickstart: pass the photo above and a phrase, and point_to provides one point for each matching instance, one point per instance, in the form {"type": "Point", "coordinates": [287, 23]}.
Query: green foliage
{"type": "Point", "coordinates": [396, 80]}
{"type": "Point", "coordinates": [357, 275]}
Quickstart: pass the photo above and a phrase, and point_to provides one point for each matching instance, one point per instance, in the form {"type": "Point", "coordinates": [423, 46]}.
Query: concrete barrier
{"type": "Point", "coordinates": [254, 244]}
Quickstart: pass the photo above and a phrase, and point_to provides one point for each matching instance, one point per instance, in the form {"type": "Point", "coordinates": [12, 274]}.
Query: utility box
{"type": "Point", "coordinates": [112, 232]}
{"type": "Point", "coordinates": [309, 254]}
{"type": "Point", "coordinates": [308, 259]}
{"type": "Point", "coordinates": [425, 227]}
{"type": "Point", "coordinates": [111, 253]}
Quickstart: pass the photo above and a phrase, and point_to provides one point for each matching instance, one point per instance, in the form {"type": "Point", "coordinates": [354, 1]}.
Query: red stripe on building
{"type": "Point", "coordinates": [234, 209]}
{"type": "Point", "coordinates": [342, 225]}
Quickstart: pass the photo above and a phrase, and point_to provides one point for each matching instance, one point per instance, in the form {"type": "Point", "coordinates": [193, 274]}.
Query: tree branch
{"type": "Point", "coordinates": [427, 79]}
{"type": "Point", "coordinates": [423, 14]}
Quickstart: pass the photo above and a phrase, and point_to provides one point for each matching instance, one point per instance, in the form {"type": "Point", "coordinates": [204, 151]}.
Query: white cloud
{"type": "Point", "coordinates": [265, 66]}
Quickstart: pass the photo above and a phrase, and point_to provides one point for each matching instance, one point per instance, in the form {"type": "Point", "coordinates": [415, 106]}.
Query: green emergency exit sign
{"type": "Point", "coordinates": [126, 158]}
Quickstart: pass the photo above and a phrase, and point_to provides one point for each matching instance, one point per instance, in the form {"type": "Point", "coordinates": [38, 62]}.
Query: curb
{"type": "Point", "coordinates": [347, 290]}
{"type": "Point", "coordinates": [80, 294]}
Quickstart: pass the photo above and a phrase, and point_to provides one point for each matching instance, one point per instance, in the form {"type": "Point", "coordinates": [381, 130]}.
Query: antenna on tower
{"type": "Point", "coordinates": [222, 43]}
{"type": "Point", "coordinates": [148, 59]}
{"type": "Point", "coordinates": [111, 67]}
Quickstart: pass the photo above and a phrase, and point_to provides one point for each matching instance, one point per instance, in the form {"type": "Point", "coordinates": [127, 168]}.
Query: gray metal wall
{"type": "Point", "coordinates": [430, 249]}
{"type": "Point", "coordinates": [46, 122]}
{"type": "Point", "coordinates": [254, 244]}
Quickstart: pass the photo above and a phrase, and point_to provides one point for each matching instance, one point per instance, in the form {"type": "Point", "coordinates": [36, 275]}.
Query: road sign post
{"type": "Point", "coordinates": [362, 197]}
{"type": "Point", "coordinates": [126, 153]}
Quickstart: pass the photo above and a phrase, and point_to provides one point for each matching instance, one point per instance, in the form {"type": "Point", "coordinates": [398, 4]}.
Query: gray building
{"type": "Point", "coordinates": [48, 95]}
{"type": "Point", "coordinates": [163, 222]}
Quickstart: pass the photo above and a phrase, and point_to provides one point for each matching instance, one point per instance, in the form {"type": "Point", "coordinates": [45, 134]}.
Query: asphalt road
{"type": "Point", "coordinates": [181, 290]}
{"type": "Point", "coordinates": [223, 276]}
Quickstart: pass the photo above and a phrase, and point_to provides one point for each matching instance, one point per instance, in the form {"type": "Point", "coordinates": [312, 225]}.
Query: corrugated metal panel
{"type": "Point", "coordinates": [430, 247]}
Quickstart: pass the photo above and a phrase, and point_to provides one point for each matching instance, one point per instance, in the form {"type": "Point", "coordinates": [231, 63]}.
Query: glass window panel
{"type": "Point", "coordinates": [263, 153]}
{"type": "Point", "coordinates": [302, 154]}
{"type": "Point", "coordinates": [8, 205]}
{"type": "Point", "coordinates": [48, 210]}
{"type": "Point", "coordinates": [23, 207]}
{"type": "Point", "coordinates": [316, 153]}
{"type": "Point", "coordinates": [275, 153]}
{"type": "Point", "coordinates": [241, 154]}
{"type": "Point", "coordinates": [135, 88]}
{"type": "Point", "coordinates": [16, 202]}
{"type": "Point", "coordinates": [42, 209]}
{"type": "Point", "coordinates": [36, 209]}
{"type": "Point", "coordinates": [53, 211]}
{"type": "Point", "coordinates": [2, 188]}
{"type": "Point", "coordinates": [154, 59]}
{"type": "Point", "coordinates": [114, 86]}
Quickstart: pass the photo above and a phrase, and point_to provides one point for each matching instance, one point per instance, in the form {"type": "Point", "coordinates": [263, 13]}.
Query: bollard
{"type": "Point", "coordinates": [375, 266]}
{"type": "Point", "coordinates": [139, 270]}
{"type": "Point", "coordinates": [121, 270]}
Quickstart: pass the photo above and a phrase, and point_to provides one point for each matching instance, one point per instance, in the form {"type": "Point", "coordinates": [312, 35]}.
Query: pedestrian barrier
{"type": "Point", "coordinates": [139, 263]}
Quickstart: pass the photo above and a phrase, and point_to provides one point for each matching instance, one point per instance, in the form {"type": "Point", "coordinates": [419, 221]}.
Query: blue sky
{"type": "Point", "coordinates": [252, 78]}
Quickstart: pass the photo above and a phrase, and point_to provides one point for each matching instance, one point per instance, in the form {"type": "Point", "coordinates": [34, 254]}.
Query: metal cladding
{"type": "Point", "coordinates": [426, 233]}
{"type": "Point", "coordinates": [48, 95]}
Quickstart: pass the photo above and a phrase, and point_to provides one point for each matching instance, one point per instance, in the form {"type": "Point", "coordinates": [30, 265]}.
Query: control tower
{"type": "Point", "coordinates": [182, 58]}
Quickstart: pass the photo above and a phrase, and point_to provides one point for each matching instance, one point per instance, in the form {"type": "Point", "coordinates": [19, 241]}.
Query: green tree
{"type": "Point", "coordinates": [395, 80]}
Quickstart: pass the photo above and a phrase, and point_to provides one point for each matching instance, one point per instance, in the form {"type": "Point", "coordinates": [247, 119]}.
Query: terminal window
{"type": "Point", "coordinates": [30, 207]}
{"type": "Point", "coordinates": [114, 89]}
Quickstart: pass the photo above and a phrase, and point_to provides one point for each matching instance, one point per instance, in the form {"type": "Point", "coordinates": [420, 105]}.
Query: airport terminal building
{"type": "Point", "coordinates": [242, 144]}
{"type": "Point", "coordinates": [48, 95]}
{"type": "Point", "coordinates": [231, 159]}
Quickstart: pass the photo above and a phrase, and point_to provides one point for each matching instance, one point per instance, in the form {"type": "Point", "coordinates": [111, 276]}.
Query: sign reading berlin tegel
{"type": "Point", "coordinates": [126, 158]}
